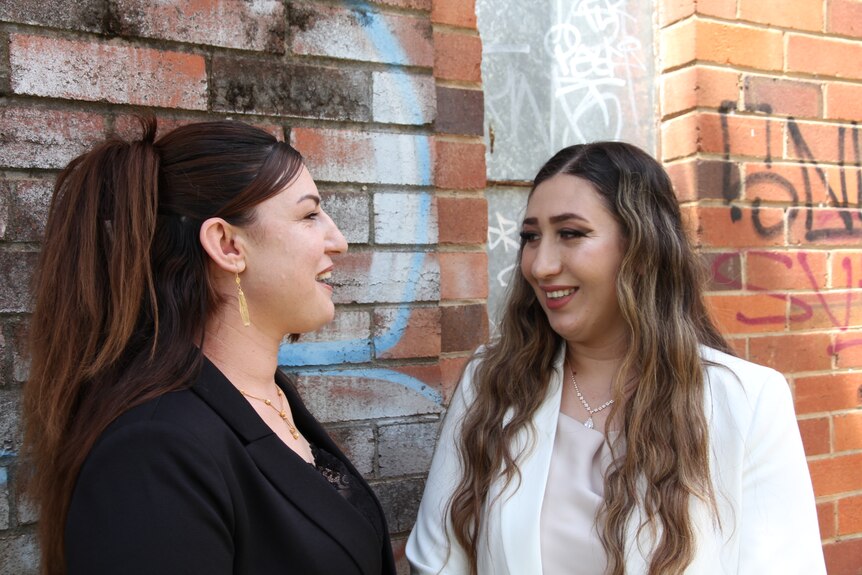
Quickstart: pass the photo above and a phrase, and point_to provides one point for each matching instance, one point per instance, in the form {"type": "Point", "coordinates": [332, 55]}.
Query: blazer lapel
{"type": "Point", "coordinates": [295, 479]}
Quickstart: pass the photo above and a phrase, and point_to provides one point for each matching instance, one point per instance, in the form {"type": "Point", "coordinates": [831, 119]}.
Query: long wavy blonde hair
{"type": "Point", "coordinates": [659, 291]}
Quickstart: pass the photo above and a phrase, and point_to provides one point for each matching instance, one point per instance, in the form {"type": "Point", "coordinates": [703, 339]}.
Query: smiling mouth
{"type": "Point", "coordinates": [323, 276]}
{"type": "Point", "coordinates": [560, 293]}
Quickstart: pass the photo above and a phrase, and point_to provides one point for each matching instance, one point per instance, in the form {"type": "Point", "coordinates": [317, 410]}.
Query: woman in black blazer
{"type": "Point", "coordinates": [161, 435]}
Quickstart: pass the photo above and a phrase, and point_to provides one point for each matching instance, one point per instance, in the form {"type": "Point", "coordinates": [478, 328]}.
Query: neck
{"type": "Point", "coordinates": [597, 366]}
{"type": "Point", "coordinates": [247, 356]}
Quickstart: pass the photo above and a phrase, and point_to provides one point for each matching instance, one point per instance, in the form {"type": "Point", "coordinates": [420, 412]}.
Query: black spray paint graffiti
{"type": "Point", "coordinates": [811, 170]}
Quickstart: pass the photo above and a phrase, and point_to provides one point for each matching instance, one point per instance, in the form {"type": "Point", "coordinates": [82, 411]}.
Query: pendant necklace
{"type": "Point", "coordinates": [589, 422]}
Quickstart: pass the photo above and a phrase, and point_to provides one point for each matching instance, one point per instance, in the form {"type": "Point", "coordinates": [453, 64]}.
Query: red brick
{"type": "Point", "coordinates": [738, 345]}
{"type": "Point", "coordinates": [457, 57]}
{"type": "Point", "coordinates": [462, 220]}
{"type": "Point", "coordinates": [848, 431]}
{"type": "Point", "coordinates": [710, 179]}
{"type": "Point", "coordinates": [465, 327]}
{"type": "Point", "coordinates": [739, 45]}
{"type": "Point", "coordinates": [683, 174]}
{"type": "Point", "coordinates": [826, 518]}
{"type": "Point", "coordinates": [43, 138]}
{"type": "Point", "coordinates": [460, 111]}
{"type": "Point", "coordinates": [97, 71]}
{"type": "Point", "coordinates": [847, 349]}
{"type": "Point", "coordinates": [458, 13]}
{"type": "Point", "coordinates": [717, 8]}
{"type": "Point", "coordinates": [791, 353]}
{"type": "Point", "coordinates": [845, 17]}
{"type": "Point", "coordinates": [725, 270]}
{"type": "Point", "coordinates": [669, 11]}
{"type": "Point", "coordinates": [836, 475]}
{"type": "Point", "coordinates": [842, 557]}
{"type": "Point", "coordinates": [679, 137]}
{"type": "Point", "coordinates": [427, 374]}
{"type": "Point", "coordinates": [784, 97]}
{"type": "Point", "coordinates": [737, 314]}
{"type": "Point", "coordinates": [459, 165]}
{"type": "Point", "coordinates": [820, 142]}
{"type": "Point", "coordinates": [800, 14]}
{"type": "Point", "coordinates": [847, 269]}
{"type": "Point", "coordinates": [255, 26]}
{"type": "Point", "coordinates": [716, 227]}
{"type": "Point", "coordinates": [716, 85]}
{"type": "Point", "coordinates": [850, 515]}
{"type": "Point", "coordinates": [815, 435]}
{"type": "Point", "coordinates": [791, 184]}
{"type": "Point", "coordinates": [825, 310]}
{"type": "Point", "coordinates": [842, 101]}
{"type": "Point", "coordinates": [678, 91]}
{"type": "Point", "coordinates": [463, 275]}
{"type": "Point", "coordinates": [828, 392]}
{"type": "Point", "coordinates": [824, 56]}
{"type": "Point", "coordinates": [827, 226]}
{"type": "Point", "coordinates": [451, 368]}
{"type": "Point", "coordinates": [746, 135]}
{"type": "Point", "coordinates": [677, 44]}
{"type": "Point", "coordinates": [421, 337]}
{"type": "Point", "coordinates": [793, 270]}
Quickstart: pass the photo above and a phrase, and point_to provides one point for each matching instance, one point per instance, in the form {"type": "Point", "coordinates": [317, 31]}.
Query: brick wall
{"type": "Point", "coordinates": [384, 100]}
{"type": "Point", "coordinates": [760, 101]}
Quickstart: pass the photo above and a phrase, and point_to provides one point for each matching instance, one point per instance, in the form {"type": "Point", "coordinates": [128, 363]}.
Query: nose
{"type": "Point", "coordinates": [335, 242]}
{"type": "Point", "coordinates": [546, 263]}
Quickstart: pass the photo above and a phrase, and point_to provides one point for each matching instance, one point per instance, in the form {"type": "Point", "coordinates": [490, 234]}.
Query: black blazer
{"type": "Point", "coordinates": [194, 482]}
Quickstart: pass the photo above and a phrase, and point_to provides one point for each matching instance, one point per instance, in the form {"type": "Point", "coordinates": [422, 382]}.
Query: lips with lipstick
{"type": "Point", "coordinates": [558, 296]}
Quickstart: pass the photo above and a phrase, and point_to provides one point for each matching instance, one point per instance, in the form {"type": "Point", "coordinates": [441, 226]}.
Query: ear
{"type": "Point", "coordinates": [224, 244]}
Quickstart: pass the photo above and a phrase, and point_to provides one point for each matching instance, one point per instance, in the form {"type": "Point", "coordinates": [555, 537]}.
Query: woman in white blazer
{"type": "Point", "coordinates": [609, 429]}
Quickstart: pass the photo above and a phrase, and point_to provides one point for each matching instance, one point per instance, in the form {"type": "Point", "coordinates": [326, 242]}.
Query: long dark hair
{"type": "Point", "coordinates": [122, 291]}
{"type": "Point", "coordinates": [659, 291]}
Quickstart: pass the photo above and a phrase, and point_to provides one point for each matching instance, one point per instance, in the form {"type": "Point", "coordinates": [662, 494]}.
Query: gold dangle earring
{"type": "Point", "coordinates": [243, 306]}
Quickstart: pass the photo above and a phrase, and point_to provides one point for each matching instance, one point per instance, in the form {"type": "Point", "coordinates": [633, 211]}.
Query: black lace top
{"type": "Point", "coordinates": [348, 486]}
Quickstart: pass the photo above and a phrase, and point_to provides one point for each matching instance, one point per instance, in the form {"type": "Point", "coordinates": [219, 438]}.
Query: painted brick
{"type": "Point", "coordinates": [837, 475]}
{"type": "Point", "coordinates": [847, 349]}
{"type": "Point", "coordinates": [785, 97]}
{"type": "Point", "coordinates": [842, 557]}
{"type": "Point", "coordinates": [746, 135]}
{"type": "Point", "coordinates": [358, 444]}
{"type": "Point", "coordinates": [19, 554]}
{"type": "Point", "coordinates": [28, 513]}
{"type": "Point", "coordinates": [400, 98]}
{"type": "Point", "coordinates": [725, 270]}
{"type": "Point", "coordinates": [459, 165]}
{"type": "Point", "coordinates": [679, 137]}
{"type": "Point", "coordinates": [460, 111]}
{"type": "Point", "coordinates": [845, 17]}
{"type": "Point", "coordinates": [846, 268]}
{"type": "Point", "coordinates": [405, 218]}
{"type": "Point", "coordinates": [462, 220]}
{"type": "Point", "coordinates": [739, 45]}
{"type": "Point", "coordinates": [848, 431]}
{"type": "Point", "coordinates": [24, 209]}
{"type": "Point", "coordinates": [10, 421]}
{"type": "Point", "coordinates": [335, 398]}
{"type": "Point", "coordinates": [350, 211]}
{"type": "Point", "coordinates": [348, 338]}
{"type": "Point", "coordinates": [20, 351]}
{"type": "Point", "coordinates": [827, 226]}
{"type": "Point", "coordinates": [367, 157]}
{"type": "Point", "coordinates": [716, 227]}
{"type": "Point", "coordinates": [842, 101]}
{"type": "Point", "coordinates": [457, 57]}
{"type": "Point", "coordinates": [428, 373]}
{"type": "Point", "coordinates": [464, 327]}
{"type": "Point", "coordinates": [826, 516]}
{"type": "Point", "coordinates": [791, 183]}
{"type": "Point", "coordinates": [807, 140]}
{"type": "Point", "coordinates": [815, 435]}
{"type": "Point", "coordinates": [400, 502]}
{"type": "Point", "coordinates": [255, 25]}
{"type": "Point", "coordinates": [5, 503]}
{"type": "Point", "coordinates": [463, 275]}
{"type": "Point", "coordinates": [386, 277]}
{"type": "Point", "coordinates": [677, 45]}
{"type": "Point", "coordinates": [716, 179]}
{"type": "Point", "coordinates": [828, 392]}
{"type": "Point", "coordinates": [410, 4]}
{"type": "Point", "coordinates": [5, 82]}
{"type": "Point", "coordinates": [801, 15]}
{"type": "Point", "coordinates": [362, 34]}
{"type": "Point", "coordinates": [97, 71]}
{"type": "Point", "coordinates": [421, 337]}
{"type": "Point", "coordinates": [255, 86]}
{"type": "Point", "coordinates": [824, 56]}
{"type": "Point", "coordinates": [850, 515]}
{"type": "Point", "coordinates": [399, 545]}
{"type": "Point", "coordinates": [791, 353]}
{"type": "Point", "coordinates": [825, 310]}
{"type": "Point", "coordinates": [793, 270]}
{"type": "Point", "coordinates": [42, 138]}
{"type": "Point", "coordinates": [451, 369]}
{"type": "Point", "coordinates": [85, 15]}
{"type": "Point", "coordinates": [737, 314]}
{"type": "Point", "coordinates": [669, 11]}
{"type": "Point", "coordinates": [16, 268]}
{"type": "Point", "coordinates": [407, 448]}
{"type": "Point", "coordinates": [717, 8]}
{"type": "Point", "coordinates": [458, 13]}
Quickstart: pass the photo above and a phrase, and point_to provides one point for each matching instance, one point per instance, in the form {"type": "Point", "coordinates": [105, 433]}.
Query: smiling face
{"type": "Point", "coordinates": [288, 260]}
{"type": "Point", "coordinates": [573, 248]}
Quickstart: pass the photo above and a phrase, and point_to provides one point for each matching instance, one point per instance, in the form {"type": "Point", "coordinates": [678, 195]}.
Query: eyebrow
{"type": "Point", "coordinates": [555, 219]}
{"type": "Point", "coordinates": [312, 197]}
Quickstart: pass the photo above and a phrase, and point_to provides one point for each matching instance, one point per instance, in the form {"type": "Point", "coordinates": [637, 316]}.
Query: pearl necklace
{"type": "Point", "coordinates": [279, 410]}
{"type": "Point", "coordinates": [589, 422]}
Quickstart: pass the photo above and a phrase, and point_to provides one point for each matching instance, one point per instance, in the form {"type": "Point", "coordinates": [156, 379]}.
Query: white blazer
{"type": "Point", "coordinates": [766, 511]}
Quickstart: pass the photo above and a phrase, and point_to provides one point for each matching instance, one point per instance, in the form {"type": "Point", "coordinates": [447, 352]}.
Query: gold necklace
{"type": "Point", "coordinates": [279, 410]}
